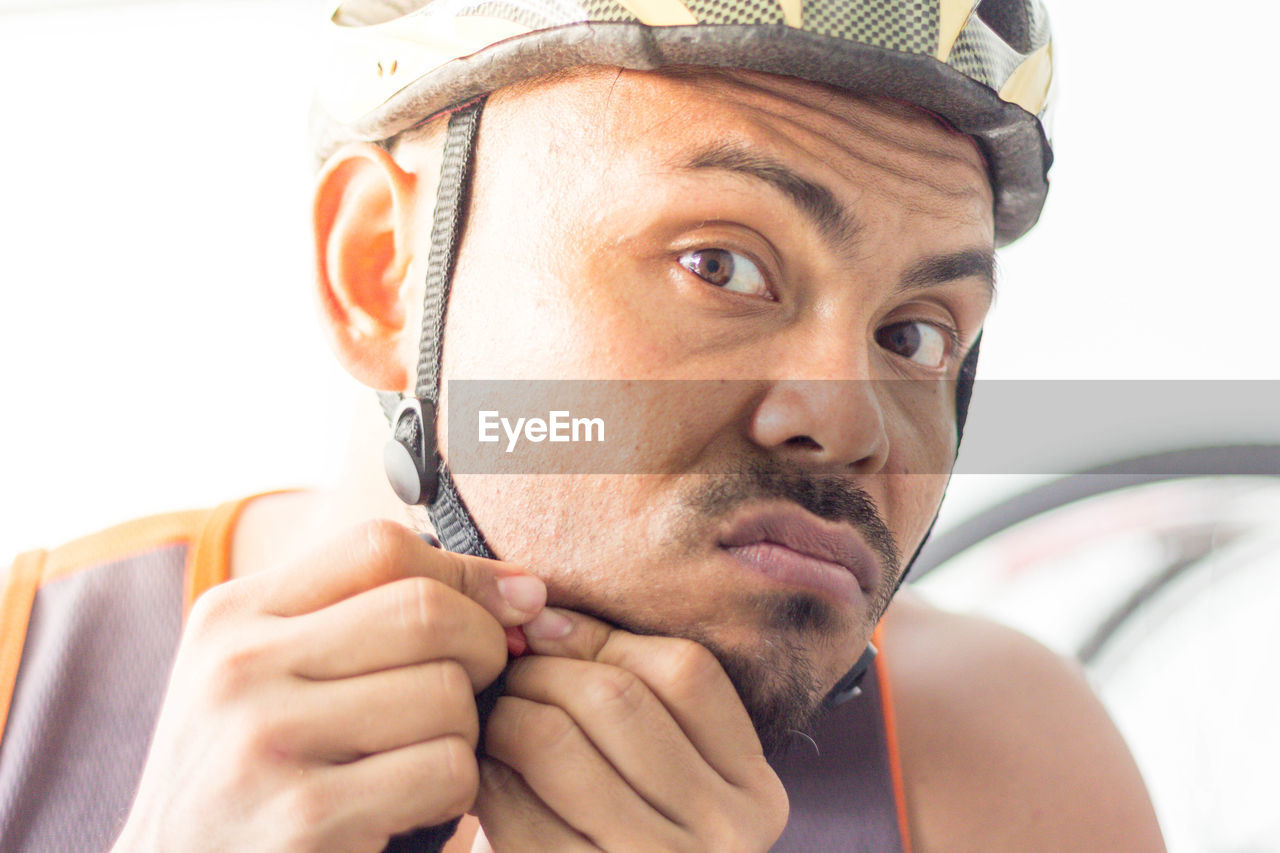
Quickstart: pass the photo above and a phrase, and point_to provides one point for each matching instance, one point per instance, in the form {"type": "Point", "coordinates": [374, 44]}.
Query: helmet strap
{"type": "Point", "coordinates": [414, 467]}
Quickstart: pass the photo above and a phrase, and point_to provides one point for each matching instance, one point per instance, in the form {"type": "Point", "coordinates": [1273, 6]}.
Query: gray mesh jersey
{"type": "Point", "coordinates": [87, 640]}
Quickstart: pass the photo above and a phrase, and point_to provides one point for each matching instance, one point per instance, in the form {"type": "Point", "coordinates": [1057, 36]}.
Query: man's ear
{"type": "Point", "coordinates": [363, 219]}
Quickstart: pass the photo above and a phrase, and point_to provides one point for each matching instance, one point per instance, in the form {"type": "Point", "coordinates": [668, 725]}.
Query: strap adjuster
{"type": "Point", "coordinates": [410, 456]}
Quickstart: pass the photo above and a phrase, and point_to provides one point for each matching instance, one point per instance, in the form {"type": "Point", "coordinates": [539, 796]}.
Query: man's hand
{"type": "Point", "coordinates": [610, 740]}
{"type": "Point", "coordinates": [329, 704]}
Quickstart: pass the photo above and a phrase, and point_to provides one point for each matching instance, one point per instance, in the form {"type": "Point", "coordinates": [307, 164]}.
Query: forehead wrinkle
{"type": "Point", "coordinates": [837, 220]}
{"type": "Point", "coordinates": [914, 162]}
{"type": "Point", "coordinates": [886, 119]}
{"type": "Point", "coordinates": [874, 124]}
{"type": "Point", "coordinates": [817, 201]}
{"type": "Point", "coordinates": [917, 170]}
{"type": "Point", "coordinates": [867, 131]}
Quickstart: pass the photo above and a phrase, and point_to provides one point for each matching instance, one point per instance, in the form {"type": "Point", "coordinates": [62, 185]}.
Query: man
{"type": "Point", "coordinates": [628, 222]}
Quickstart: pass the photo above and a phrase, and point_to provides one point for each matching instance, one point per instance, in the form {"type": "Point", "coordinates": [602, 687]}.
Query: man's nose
{"type": "Point", "coordinates": [829, 415]}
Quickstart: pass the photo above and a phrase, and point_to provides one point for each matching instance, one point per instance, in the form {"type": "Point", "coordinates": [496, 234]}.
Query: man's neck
{"type": "Point", "coordinates": [278, 529]}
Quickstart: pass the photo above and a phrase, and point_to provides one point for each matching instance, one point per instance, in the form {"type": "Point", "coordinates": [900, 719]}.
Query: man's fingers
{"type": "Point", "coordinates": [393, 792]}
{"type": "Point", "coordinates": [684, 675]}
{"type": "Point", "coordinates": [379, 552]}
{"type": "Point", "coordinates": [513, 818]}
{"type": "Point", "coordinates": [568, 634]}
{"type": "Point", "coordinates": [405, 622]}
{"type": "Point", "coordinates": [565, 770]}
{"type": "Point", "coordinates": [346, 720]}
{"type": "Point", "coordinates": [611, 705]}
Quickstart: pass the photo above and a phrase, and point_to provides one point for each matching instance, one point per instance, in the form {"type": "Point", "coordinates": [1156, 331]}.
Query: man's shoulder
{"type": "Point", "coordinates": [1004, 745]}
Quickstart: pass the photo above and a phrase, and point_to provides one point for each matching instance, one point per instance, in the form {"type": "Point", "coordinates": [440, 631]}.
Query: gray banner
{"type": "Point", "coordinates": [1014, 427]}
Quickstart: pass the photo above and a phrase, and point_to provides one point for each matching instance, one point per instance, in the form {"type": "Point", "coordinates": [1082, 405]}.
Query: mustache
{"type": "Point", "coordinates": [829, 498]}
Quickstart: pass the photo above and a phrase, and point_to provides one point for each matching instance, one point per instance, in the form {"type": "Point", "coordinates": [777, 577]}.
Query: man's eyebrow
{"type": "Point", "coordinates": [817, 202]}
{"type": "Point", "coordinates": [942, 269]}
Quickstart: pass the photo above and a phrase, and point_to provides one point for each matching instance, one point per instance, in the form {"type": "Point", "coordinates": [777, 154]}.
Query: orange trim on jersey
{"type": "Point", "coordinates": [209, 560]}
{"type": "Point", "coordinates": [891, 740]}
{"type": "Point", "coordinates": [207, 532]}
{"type": "Point", "coordinates": [15, 611]}
{"type": "Point", "coordinates": [121, 542]}
{"type": "Point", "coordinates": [34, 569]}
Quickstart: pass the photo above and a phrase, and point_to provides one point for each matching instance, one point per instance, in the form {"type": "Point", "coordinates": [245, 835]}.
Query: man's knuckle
{"type": "Point", "coordinates": [773, 808]}
{"type": "Point", "coordinates": [544, 726]}
{"type": "Point", "coordinates": [384, 545]}
{"type": "Point", "coordinates": [490, 656]}
{"type": "Point", "coordinates": [691, 663]}
{"type": "Point", "coordinates": [461, 774]}
{"type": "Point", "coordinates": [686, 668]}
{"type": "Point", "coordinates": [453, 683]}
{"type": "Point", "coordinates": [616, 692]}
{"type": "Point", "coordinates": [305, 811]}
{"type": "Point", "coordinates": [267, 739]}
{"type": "Point", "coordinates": [752, 819]}
{"type": "Point", "coordinates": [680, 839]}
{"type": "Point", "coordinates": [451, 689]}
{"type": "Point", "coordinates": [497, 779]}
{"type": "Point", "coordinates": [237, 669]}
{"type": "Point", "coordinates": [422, 608]}
{"type": "Point", "coordinates": [743, 835]}
{"type": "Point", "coordinates": [467, 574]}
{"type": "Point", "coordinates": [213, 608]}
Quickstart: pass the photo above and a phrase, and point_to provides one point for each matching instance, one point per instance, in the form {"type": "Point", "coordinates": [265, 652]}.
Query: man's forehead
{"type": "Point", "coordinates": [648, 101]}
{"type": "Point", "coordinates": [677, 114]}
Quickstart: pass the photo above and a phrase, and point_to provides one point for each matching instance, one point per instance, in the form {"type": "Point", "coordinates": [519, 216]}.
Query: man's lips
{"type": "Point", "coordinates": [791, 545]}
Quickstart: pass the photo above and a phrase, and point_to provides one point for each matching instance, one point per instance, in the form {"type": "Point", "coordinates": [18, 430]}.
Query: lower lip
{"type": "Point", "coordinates": [780, 563]}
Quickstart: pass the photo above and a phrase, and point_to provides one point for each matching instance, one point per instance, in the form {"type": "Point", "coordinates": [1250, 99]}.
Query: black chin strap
{"type": "Point", "coordinates": [414, 467]}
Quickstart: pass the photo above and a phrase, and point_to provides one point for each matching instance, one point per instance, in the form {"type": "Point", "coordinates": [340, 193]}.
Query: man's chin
{"type": "Point", "coordinates": [771, 663]}
{"type": "Point", "coordinates": [769, 652]}
{"type": "Point", "coordinates": [779, 689]}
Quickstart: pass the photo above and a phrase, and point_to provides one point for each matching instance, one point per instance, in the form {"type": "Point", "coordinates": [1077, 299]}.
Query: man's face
{"type": "Point", "coordinates": [728, 227]}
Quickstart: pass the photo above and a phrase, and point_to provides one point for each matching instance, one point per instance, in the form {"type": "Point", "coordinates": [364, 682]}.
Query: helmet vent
{"type": "Point", "coordinates": [1011, 20]}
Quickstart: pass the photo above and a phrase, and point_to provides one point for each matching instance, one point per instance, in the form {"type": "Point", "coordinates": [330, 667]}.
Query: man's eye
{"type": "Point", "coordinates": [725, 269]}
{"type": "Point", "coordinates": [923, 343]}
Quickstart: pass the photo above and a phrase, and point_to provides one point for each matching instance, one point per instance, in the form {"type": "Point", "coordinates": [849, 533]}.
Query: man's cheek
{"type": "Point", "coordinates": [916, 476]}
{"type": "Point", "coordinates": [582, 534]}
{"type": "Point", "coordinates": [917, 498]}
{"type": "Point", "coordinates": [521, 516]}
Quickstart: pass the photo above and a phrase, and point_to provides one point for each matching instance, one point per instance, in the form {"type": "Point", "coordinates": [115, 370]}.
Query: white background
{"type": "Point", "coordinates": [157, 337]}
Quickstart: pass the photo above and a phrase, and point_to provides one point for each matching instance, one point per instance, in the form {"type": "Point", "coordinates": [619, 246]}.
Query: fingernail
{"type": "Point", "coordinates": [523, 592]}
{"type": "Point", "coordinates": [548, 625]}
